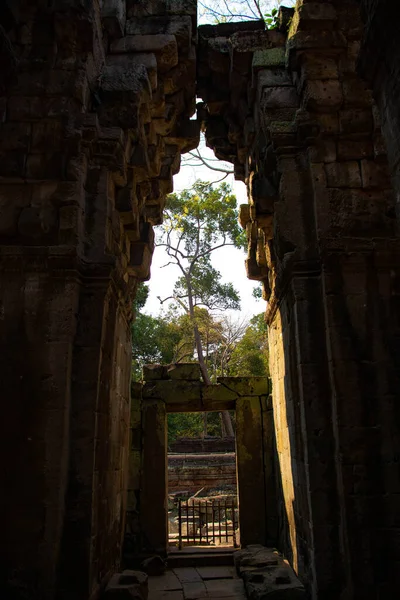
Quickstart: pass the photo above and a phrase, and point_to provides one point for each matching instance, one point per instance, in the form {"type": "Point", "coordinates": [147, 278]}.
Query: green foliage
{"type": "Point", "coordinates": [271, 19]}
{"type": "Point", "coordinates": [220, 11]}
{"type": "Point", "coordinates": [250, 355]}
{"type": "Point", "coordinates": [191, 425]}
{"type": "Point", "coordinates": [154, 339]}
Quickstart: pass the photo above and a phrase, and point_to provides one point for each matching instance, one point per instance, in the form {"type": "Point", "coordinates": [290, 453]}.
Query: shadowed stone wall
{"type": "Point", "coordinates": [303, 132]}
{"type": "Point", "coordinates": [95, 103]}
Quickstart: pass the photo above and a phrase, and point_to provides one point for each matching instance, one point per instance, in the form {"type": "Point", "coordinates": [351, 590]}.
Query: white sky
{"type": "Point", "coordinates": [229, 261]}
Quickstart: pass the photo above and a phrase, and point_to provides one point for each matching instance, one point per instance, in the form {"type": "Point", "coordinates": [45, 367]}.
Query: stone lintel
{"type": "Point", "coordinates": [246, 386]}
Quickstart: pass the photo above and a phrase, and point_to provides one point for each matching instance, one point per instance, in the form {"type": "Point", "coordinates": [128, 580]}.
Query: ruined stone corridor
{"type": "Point", "coordinates": [98, 101]}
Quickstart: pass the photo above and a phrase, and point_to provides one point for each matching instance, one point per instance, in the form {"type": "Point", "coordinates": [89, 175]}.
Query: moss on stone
{"type": "Point", "coordinates": [272, 58]}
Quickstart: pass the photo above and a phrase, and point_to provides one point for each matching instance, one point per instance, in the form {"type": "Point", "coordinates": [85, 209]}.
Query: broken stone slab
{"type": "Point", "coordinates": [113, 15]}
{"type": "Point", "coordinates": [127, 585]}
{"type": "Point", "coordinates": [119, 64]}
{"type": "Point", "coordinates": [246, 386]}
{"type": "Point", "coordinates": [187, 371]}
{"type": "Point", "coordinates": [267, 574]}
{"type": "Point", "coordinates": [164, 46]}
{"type": "Point", "coordinates": [154, 372]}
{"type": "Point", "coordinates": [271, 58]}
{"type": "Point", "coordinates": [154, 566]}
{"type": "Point", "coordinates": [180, 27]}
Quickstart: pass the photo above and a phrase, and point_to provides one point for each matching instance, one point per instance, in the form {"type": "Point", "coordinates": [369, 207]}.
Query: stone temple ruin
{"type": "Point", "coordinates": [96, 106]}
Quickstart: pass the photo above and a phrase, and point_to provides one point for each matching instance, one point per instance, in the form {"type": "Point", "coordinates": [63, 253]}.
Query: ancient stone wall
{"type": "Point", "coordinates": [192, 472]}
{"type": "Point", "coordinates": [303, 132]}
{"type": "Point", "coordinates": [95, 104]}
{"type": "Point", "coordinates": [198, 445]}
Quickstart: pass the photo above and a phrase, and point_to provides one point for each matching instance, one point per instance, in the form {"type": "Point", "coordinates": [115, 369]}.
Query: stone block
{"type": "Point", "coordinates": [130, 73]}
{"type": "Point", "coordinates": [316, 14]}
{"type": "Point", "coordinates": [163, 46]}
{"type": "Point", "coordinates": [13, 198]}
{"type": "Point", "coordinates": [128, 577]}
{"type": "Point", "coordinates": [172, 391]}
{"type": "Point", "coordinates": [354, 150]}
{"type": "Point", "coordinates": [343, 174]}
{"type": "Point", "coordinates": [15, 136]}
{"type": "Point", "coordinates": [357, 120]}
{"type": "Point", "coordinates": [181, 7]}
{"type": "Point", "coordinates": [179, 26]}
{"type": "Point", "coordinates": [273, 78]}
{"type": "Point", "coordinates": [246, 386]}
{"type": "Point", "coordinates": [12, 163]}
{"type": "Point", "coordinates": [267, 574]}
{"type": "Point", "coordinates": [279, 97]}
{"type": "Point", "coordinates": [244, 215]}
{"type": "Point", "coordinates": [375, 174]}
{"type": "Point", "coordinates": [154, 566]}
{"type": "Point", "coordinates": [356, 93]}
{"type": "Point", "coordinates": [270, 58]}
{"type": "Point", "coordinates": [124, 588]}
{"type": "Point", "coordinates": [218, 393]}
{"type": "Point", "coordinates": [323, 95]}
{"type": "Point", "coordinates": [154, 372]}
{"type": "Point", "coordinates": [318, 67]}
{"type": "Point", "coordinates": [113, 14]}
{"type": "Point", "coordinates": [186, 371]}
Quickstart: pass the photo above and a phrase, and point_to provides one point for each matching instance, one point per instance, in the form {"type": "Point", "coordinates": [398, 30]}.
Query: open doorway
{"type": "Point", "coordinates": [202, 483]}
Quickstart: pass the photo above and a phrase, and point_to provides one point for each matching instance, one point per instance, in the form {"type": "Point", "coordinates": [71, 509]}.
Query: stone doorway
{"type": "Point", "coordinates": [178, 388]}
{"type": "Point", "coordinates": [202, 484]}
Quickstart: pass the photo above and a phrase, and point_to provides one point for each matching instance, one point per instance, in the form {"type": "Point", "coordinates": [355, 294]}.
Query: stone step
{"type": "Point", "coordinates": [198, 557]}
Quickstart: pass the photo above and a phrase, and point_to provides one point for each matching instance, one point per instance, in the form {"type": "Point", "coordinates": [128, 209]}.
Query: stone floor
{"type": "Point", "coordinates": [189, 583]}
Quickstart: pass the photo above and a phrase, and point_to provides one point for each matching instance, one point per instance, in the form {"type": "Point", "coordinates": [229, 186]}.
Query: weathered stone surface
{"type": "Point", "coordinates": [163, 46]}
{"type": "Point", "coordinates": [250, 470]}
{"type": "Point", "coordinates": [245, 386]}
{"type": "Point", "coordinates": [187, 371]}
{"type": "Point", "coordinates": [154, 372]}
{"type": "Point", "coordinates": [154, 565]}
{"type": "Point", "coordinates": [126, 585]}
{"type": "Point", "coordinates": [154, 488]}
{"type": "Point", "coordinates": [267, 574]}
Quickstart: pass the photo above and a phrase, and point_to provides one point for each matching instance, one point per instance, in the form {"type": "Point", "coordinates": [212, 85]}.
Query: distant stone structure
{"type": "Point", "coordinates": [96, 100]}
{"type": "Point", "coordinates": [192, 472]}
{"type": "Point", "coordinates": [198, 445]}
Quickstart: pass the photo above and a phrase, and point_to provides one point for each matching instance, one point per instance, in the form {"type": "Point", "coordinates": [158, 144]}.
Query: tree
{"type": "Point", "coordinates": [155, 339]}
{"type": "Point", "coordinates": [222, 11]}
{"type": "Point", "coordinates": [197, 223]}
{"type": "Point", "coordinates": [250, 355]}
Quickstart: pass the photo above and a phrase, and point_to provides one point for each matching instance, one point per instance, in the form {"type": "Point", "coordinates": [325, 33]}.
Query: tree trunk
{"type": "Point", "coordinates": [205, 428]}
{"type": "Point", "coordinates": [226, 417]}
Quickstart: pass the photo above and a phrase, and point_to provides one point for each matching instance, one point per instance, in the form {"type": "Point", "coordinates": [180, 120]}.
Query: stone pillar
{"type": "Point", "coordinates": [250, 471]}
{"type": "Point", "coordinates": [270, 483]}
{"type": "Point", "coordinates": [154, 507]}
{"type": "Point", "coordinates": [37, 331]}
{"type": "Point", "coordinates": [132, 539]}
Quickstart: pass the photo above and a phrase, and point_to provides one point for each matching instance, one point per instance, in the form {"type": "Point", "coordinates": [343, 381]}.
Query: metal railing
{"type": "Point", "coordinates": [202, 522]}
